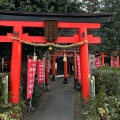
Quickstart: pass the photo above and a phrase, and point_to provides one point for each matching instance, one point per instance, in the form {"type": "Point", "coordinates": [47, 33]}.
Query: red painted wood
{"type": "Point", "coordinates": [16, 68]}
{"type": "Point", "coordinates": [46, 73]}
{"type": "Point", "coordinates": [119, 62]}
{"type": "Point", "coordinates": [84, 62]}
{"type": "Point", "coordinates": [92, 39]}
{"type": "Point", "coordinates": [22, 23]}
{"type": "Point", "coordinates": [65, 68]}
{"type": "Point", "coordinates": [103, 56]}
{"type": "Point", "coordinates": [40, 39]}
{"type": "Point", "coordinates": [78, 25]}
{"type": "Point", "coordinates": [75, 66]}
{"type": "Point", "coordinates": [7, 38]}
{"type": "Point", "coordinates": [53, 65]}
{"type": "Point", "coordinates": [41, 24]}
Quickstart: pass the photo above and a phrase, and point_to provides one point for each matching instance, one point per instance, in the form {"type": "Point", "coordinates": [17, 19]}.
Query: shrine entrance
{"type": "Point", "coordinates": [51, 22]}
{"type": "Point", "coordinates": [60, 69]}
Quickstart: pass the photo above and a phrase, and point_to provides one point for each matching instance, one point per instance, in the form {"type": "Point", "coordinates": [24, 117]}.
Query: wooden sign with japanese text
{"type": "Point", "coordinates": [31, 69]}
{"type": "Point", "coordinates": [48, 66]}
{"type": "Point", "coordinates": [78, 66]}
{"type": "Point", "coordinates": [51, 30]}
{"type": "Point", "coordinates": [40, 71]}
{"type": "Point", "coordinates": [97, 62]}
{"type": "Point", "coordinates": [113, 62]}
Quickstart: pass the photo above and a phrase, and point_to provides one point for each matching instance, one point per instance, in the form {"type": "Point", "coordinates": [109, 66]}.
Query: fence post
{"type": "Point", "coordinates": [92, 86]}
{"type": "Point", "coordinates": [5, 89]}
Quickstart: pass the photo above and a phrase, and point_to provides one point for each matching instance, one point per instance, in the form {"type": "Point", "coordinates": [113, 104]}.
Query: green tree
{"type": "Point", "coordinates": [91, 6]}
{"type": "Point", "coordinates": [7, 5]}
{"type": "Point", "coordinates": [110, 32]}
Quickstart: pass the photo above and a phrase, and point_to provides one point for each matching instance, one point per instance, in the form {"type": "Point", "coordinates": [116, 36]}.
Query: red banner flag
{"type": "Point", "coordinates": [78, 67]}
{"type": "Point", "coordinates": [113, 62]}
{"type": "Point", "coordinates": [49, 66]}
{"type": "Point", "coordinates": [40, 71]}
{"type": "Point", "coordinates": [31, 69]}
{"type": "Point", "coordinates": [97, 62]}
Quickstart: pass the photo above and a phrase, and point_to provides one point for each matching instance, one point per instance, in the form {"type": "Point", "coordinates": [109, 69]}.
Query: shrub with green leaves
{"type": "Point", "coordinates": [106, 104]}
{"type": "Point", "coordinates": [108, 77]}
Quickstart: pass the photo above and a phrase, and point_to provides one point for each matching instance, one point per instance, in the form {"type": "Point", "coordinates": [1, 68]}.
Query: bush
{"type": "Point", "coordinates": [8, 110]}
{"type": "Point", "coordinates": [106, 104]}
{"type": "Point", "coordinates": [108, 77]}
{"type": "Point", "coordinates": [106, 109]}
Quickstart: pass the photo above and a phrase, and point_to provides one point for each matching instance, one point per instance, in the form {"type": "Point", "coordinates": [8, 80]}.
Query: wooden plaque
{"type": "Point", "coordinates": [51, 30]}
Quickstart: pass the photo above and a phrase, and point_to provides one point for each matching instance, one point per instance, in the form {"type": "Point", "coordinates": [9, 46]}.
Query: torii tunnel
{"type": "Point", "coordinates": [82, 22]}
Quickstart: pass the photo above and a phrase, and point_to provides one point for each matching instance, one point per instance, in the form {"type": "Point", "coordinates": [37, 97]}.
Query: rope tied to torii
{"type": "Point", "coordinates": [51, 44]}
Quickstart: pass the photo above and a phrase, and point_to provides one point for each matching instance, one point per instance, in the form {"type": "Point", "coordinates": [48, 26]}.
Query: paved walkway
{"type": "Point", "coordinates": [59, 103]}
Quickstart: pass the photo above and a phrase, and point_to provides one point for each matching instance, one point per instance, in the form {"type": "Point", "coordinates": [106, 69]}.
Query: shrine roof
{"type": "Point", "coordinates": [66, 17]}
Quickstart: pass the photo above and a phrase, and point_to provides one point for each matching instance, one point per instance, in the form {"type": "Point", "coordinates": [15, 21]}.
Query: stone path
{"type": "Point", "coordinates": [59, 103]}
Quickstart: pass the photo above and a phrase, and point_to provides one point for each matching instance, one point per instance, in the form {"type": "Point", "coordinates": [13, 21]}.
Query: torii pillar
{"type": "Point", "coordinates": [75, 69]}
{"type": "Point", "coordinates": [16, 66]}
{"type": "Point", "coordinates": [53, 68]}
{"type": "Point", "coordinates": [46, 73]}
{"type": "Point", "coordinates": [103, 59]}
{"type": "Point", "coordinates": [84, 62]}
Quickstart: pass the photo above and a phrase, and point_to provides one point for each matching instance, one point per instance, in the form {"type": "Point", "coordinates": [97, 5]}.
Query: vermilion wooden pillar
{"type": "Point", "coordinates": [75, 69]}
{"type": "Point", "coordinates": [68, 68]}
{"type": "Point", "coordinates": [103, 59]}
{"type": "Point", "coordinates": [84, 64]}
{"type": "Point", "coordinates": [65, 71]}
{"type": "Point", "coordinates": [46, 73]}
{"type": "Point", "coordinates": [119, 62]}
{"type": "Point", "coordinates": [16, 67]}
{"type": "Point", "coordinates": [53, 68]}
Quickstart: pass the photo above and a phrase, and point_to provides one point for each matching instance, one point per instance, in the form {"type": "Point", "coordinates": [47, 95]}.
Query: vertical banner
{"type": "Point", "coordinates": [40, 71]}
{"type": "Point", "coordinates": [113, 62]}
{"type": "Point", "coordinates": [31, 69]}
{"type": "Point", "coordinates": [78, 67]}
{"type": "Point", "coordinates": [97, 62]}
{"type": "Point", "coordinates": [48, 66]}
{"type": "Point", "coordinates": [91, 61]}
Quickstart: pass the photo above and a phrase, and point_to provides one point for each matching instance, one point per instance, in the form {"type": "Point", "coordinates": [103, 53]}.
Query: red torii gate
{"type": "Point", "coordinates": [82, 22]}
